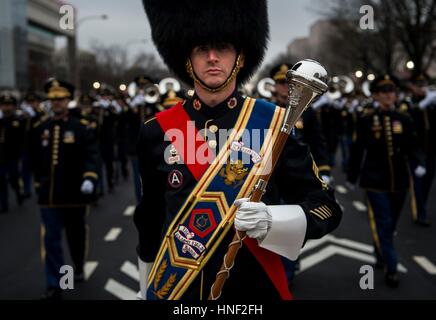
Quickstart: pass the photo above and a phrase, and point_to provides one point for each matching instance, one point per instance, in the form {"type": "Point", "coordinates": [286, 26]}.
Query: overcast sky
{"type": "Point", "coordinates": [289, 19]}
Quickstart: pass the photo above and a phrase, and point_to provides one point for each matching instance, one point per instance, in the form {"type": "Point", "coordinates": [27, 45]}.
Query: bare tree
{"type": "Point", "coordinates": [404, 29]}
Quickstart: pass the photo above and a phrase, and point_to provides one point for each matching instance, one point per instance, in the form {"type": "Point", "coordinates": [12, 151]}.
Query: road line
{"type": "Point", "coordinates": [130, 210]}
{"type": "Point", "coordinates": [89, 268]}
{"type": "Point", "coordinates": [359, 206]}
{"type": "Point", "coordinates": [425, 264]}
{"type": "Point", "coordinates": [113, 234]}
{"type": "Point", "coordinates": [331, 250]}
{"type": "Point", "coordinates": [131, 270]}
{"type": "Point", "coordinates": [119, 290]}
{"type": "Point", "coordinates": [341, 189]}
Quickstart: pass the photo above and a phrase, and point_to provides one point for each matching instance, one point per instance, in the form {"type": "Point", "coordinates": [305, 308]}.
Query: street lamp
{"type": "Point", "coordinates": [75, 56]}
{"type": "Point", "coordinates": [371, 77]}
{"type": "Point", "coordinates": [410, 65]}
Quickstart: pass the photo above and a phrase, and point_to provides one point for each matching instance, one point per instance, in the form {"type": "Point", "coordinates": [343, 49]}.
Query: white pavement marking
{"type": "Point", "coordinates": [331, 250]}
{"type": "Point", "coordinates": [341, 189]}
{"type": "Point", "coordinates": [119, 290]}
{"type": "Point", "coordinates": [113, 234]}
{"type": "Point", "coordinates": [129, 211]}
{"type": "Point", "coordinates": [311, 244]}
{"type": "Point", "coordinates": [89, 268]}
{"type": "Point", "coordinates": [359, 206]}
{"type": "Point", "coordinates": [131, 270]}
{"type": "Point", "coordinates": [425, 264]}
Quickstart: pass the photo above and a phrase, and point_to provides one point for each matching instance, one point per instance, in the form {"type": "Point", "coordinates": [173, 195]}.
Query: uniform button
{"type": "Point", "coordinates": [55, 163]}
{"type": "Point", "coordinates": [213, 129]}
{"type": "Point", "coordinates": [212, 144]}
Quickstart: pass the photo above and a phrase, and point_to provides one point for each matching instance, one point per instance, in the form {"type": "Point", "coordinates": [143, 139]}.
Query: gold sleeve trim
{"type": "Point", "coordinates": [90, 175]}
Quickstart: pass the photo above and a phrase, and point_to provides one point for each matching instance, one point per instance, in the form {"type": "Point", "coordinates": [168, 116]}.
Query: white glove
{"type": "Point", "coordinates": [326, 179]}
{"type": "Point", "coordinates": [253, 217]}
{"type": "Point", "coordinates": [144, 271]}
{"type": "Point", "coordinates": [87, 187]}
{"type": "Point", "coordinates": [420, 171]}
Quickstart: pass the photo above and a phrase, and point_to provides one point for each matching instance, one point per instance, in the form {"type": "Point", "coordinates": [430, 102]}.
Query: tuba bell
{"type": "Point", "coordinates": [339, 86]}
{"type": "Point", "coordinates": [150, 92]}
{"type": "Point", "coordinates": [168, 84]}
{"type": "Point", "coordinates": [265, 88]}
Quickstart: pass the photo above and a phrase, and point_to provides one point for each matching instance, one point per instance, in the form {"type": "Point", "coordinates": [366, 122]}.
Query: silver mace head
{"type": "Point", "coordinates": [307, 80]}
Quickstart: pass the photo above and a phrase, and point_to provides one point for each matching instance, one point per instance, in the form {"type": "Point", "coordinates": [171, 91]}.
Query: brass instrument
{"type": "Point", "coordinates": [150, 92]}
{"type": "Point", "coordinates": [265, 88]}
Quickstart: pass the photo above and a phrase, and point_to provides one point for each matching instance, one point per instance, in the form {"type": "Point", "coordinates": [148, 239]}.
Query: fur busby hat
{"type": "Point", "coordinates": [180, 25]}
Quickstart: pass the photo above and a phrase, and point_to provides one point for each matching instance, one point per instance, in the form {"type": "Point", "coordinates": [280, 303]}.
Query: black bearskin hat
{"type": "Point", "coordinates": [180, 25]}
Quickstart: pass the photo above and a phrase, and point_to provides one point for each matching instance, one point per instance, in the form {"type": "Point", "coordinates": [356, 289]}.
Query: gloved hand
{"type": "Point", "coordinates": [420, 171]}
{"type": "Point", "coordinates": [87, 187]}
{"type": "Point", "coordinates": [327, 179]}
{"type": "Point", "coordinates": [253, 217]}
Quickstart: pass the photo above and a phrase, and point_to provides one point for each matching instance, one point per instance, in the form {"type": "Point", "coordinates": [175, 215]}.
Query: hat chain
{"type": "Point", "coordinates": [229, 80]}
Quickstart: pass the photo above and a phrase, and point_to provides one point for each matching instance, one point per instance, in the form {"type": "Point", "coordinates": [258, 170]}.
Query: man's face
{"type": "Point", "coordinates": [7, 109]}
{"type": "Point", "coordinates": [213, 64]}
{"type": "Point", "coordinates": [281, 92]}
{"type": "Point", "coordinates": [418, 90]}
{"type": "Point", "coordinates": [386, 96]}
{"type": "Point", "coordinates": [59, 106]}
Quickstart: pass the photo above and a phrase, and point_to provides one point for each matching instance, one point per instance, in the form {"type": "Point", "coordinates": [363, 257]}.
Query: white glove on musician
{"type": "Point", "coordinates": [280, 228]}
{"type": "Point", "coordinates": [420, 171]}
{"type": "Point", "coordinates": [87, 187]}
{"type": "Point", "coordinates": [144, 271]}
{"type": "Point", "coordinates": [253, 217]}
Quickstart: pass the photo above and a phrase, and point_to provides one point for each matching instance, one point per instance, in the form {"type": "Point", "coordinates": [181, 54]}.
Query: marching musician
{"type": "Point", "coordinates": [308, 128]}
{"type": "Point", "coordinates": [423, 112]}
{"type": "Point", "coordinates": [185, 216]}
{"type": "Point", "coordinates": [384, 143]}
{"type": "Point", "coordinates": [64, 159]}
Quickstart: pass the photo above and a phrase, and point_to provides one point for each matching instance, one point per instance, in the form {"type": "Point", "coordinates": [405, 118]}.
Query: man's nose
{"type": "Point", "coordinates": [212, 55]}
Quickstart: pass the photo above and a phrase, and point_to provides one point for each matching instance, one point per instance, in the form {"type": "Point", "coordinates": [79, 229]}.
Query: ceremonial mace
{"type": "Point", "coordinates": [307, 80]}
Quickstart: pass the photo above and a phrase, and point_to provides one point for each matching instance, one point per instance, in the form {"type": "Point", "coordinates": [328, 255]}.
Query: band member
{"type": "Point", "coordinates": [12, 134]}
{"type": "Point", "coordinates": [106, 113]}
{"type": "Point", "coordinates": [140, 110]}
{"type": "Point", "coordinates": [63, 153]}
{"type": "Point", "coordinates": [423, 112]}
{"type": "Point", "coordinates": [185, 217]}
{"type": "Point", "coordinates": [308, 129]}
{"type": "Point", "coordinates": [388, 140]}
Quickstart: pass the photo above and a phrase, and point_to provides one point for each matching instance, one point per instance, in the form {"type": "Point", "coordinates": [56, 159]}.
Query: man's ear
{"type": "Point", "coordinates": [242, 60]}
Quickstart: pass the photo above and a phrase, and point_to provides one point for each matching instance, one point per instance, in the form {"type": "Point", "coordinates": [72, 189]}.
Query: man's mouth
{"type": "Point", "coordinates": [213, 71]}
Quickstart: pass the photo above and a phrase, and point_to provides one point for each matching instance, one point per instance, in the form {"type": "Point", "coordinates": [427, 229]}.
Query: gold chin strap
{"type": "Point", "coordinates": [229, 80]}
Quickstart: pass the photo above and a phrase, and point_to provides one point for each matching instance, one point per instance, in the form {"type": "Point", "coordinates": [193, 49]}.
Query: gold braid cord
{"type": "Point", "coordinates": [229, 80]}
{"type": "Point", "coordinates": [224, 273]}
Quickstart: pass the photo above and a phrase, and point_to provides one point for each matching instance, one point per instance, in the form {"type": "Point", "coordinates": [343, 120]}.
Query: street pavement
{"type": "Point", "coordinates": [329, 267]}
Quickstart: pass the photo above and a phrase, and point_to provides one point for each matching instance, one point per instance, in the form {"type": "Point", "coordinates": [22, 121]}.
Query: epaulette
{"type": "Point", "coordinates": [84, 122]}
